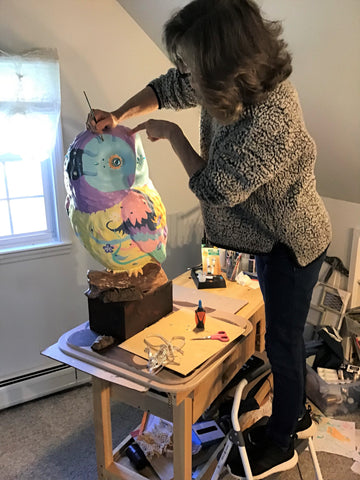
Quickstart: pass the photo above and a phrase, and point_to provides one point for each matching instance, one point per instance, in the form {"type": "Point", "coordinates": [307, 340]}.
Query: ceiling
{"type": "Point", "coordinates": [160, 11]}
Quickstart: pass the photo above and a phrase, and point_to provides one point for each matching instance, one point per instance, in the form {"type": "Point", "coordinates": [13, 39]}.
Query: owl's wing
{"type": "Point", "coordinates": [144, 219]}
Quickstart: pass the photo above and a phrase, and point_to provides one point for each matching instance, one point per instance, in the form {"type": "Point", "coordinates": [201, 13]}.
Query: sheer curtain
{"type": "Point", "coordinates": [29, 104]}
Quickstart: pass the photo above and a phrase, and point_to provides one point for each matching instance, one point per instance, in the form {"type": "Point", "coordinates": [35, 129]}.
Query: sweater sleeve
{"type": "Point", "coordinates": [250, 153]}
{"type": "Point", "coordinates": [173, 91]}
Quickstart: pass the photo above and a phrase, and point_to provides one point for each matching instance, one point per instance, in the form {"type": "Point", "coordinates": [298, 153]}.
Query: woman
{"type": "Point", "coordinates": [254, 178]}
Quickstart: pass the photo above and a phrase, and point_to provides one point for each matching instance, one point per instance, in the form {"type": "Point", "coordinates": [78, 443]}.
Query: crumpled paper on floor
{"type": "Point", "coordinates": [335, 436]}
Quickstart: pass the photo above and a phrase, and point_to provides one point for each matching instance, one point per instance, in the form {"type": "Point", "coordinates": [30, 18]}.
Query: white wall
{"type": "Point", "coordinates": [104, 52]}
{"type": "Point", "coordinates": [345, 218]}
{"type": "Point", "coordinates": [324, 37]}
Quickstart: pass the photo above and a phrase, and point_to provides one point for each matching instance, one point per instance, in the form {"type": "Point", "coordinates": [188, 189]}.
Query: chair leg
{"type": "Point", "coordinates": [314, 458]}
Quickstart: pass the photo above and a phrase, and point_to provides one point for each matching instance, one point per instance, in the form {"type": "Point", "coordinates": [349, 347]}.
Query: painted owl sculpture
{"type": "Point", "coordinates": [111, 202]}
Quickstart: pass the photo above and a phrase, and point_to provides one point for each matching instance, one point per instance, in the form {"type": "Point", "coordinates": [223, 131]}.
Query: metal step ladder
{"type": "Point", "coordinates": [235, 437]}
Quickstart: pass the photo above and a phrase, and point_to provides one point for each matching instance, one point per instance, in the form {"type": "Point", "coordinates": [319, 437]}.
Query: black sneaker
{"type": "Point", "coordinates": [305, 427]}
{"type": "Point", "coordinates": [264, 461]}
{"type": "Point", "coordinates": [254, 436]}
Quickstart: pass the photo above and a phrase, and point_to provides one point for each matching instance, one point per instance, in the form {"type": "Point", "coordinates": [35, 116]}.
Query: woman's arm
{"type": "Point", "coordinates": [141, 103]}
{"type": "Point", "coordinates": [172, 91]}
{"type": "Point", "coordinates": [162, 129]}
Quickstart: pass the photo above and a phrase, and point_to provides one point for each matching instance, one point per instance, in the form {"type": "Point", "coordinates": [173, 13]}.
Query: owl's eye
{"type": "Point", "coordinates": [115, 161]}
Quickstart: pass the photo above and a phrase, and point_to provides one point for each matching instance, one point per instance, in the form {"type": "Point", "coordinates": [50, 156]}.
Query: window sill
{"type": "Point", "coordinates": [35, 252]}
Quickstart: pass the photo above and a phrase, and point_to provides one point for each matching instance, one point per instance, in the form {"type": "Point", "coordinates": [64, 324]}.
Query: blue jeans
{"type": "Point", "coordinates": [287, 289]}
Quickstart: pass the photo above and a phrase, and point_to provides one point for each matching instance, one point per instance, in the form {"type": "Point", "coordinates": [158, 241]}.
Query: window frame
{"type": "Point", "coordinates": [57, 239]}
{"type": "Point", "coordinates": [49, 235]}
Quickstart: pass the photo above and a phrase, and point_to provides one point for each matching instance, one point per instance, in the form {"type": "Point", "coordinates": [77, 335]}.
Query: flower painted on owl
{"type": "Point", "coordinates": [108, 248]}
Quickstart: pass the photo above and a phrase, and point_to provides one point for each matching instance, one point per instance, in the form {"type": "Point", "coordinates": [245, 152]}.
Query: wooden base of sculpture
{"type": "Point", "coordinates": [121, 306]}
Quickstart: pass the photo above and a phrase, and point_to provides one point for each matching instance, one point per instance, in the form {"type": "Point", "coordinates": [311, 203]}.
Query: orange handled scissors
{"type": "Point", "coordinates": [222, 336]}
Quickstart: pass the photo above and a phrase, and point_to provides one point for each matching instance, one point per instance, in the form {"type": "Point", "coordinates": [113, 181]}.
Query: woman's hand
{"type": "Point", "coordinates": [98, 120]}
{"type": "Point", "coordinates": [159, 129]}
{"type": "Point", "coordinates": [162, 129]}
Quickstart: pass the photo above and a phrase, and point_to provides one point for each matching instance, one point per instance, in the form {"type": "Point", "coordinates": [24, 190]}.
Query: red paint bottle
{"type": "Point", "coordinates": [200, 316]}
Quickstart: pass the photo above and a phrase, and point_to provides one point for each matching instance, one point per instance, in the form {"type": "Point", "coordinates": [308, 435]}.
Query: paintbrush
{"type": "Point", "coordinates": [92, 114]}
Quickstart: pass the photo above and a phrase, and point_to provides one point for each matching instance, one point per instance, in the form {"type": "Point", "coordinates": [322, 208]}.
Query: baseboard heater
{"type": "Point", "coordinates": [37, 384]}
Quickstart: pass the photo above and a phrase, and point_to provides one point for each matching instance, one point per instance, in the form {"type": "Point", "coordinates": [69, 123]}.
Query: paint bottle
{"type": "Point", "coordinates": [200, 315]}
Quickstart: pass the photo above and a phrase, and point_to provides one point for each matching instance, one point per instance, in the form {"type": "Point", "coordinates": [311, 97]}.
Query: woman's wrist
{"type": "Point", "coordinates": [117, 116]}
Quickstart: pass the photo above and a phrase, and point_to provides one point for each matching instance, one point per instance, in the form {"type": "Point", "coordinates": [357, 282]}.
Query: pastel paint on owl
{"type": "Point", "coordinates": [111, 202]}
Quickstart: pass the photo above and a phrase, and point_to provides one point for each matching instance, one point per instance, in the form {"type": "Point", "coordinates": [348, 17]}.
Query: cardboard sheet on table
{"type": "Point", "coordinates": [185, 297]}
{"type": "Point", "coordinates": [182, 323]}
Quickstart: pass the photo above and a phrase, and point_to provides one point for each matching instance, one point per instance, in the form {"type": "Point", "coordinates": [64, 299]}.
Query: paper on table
{"type": "Point", "coordinates": [182, 323]}
{"type": "Point", "coordinates": [189, 298]}
{"type": "Point", "coordinates": [335, 436]}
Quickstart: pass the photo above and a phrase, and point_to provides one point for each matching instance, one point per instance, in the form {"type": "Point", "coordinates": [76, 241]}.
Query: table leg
{"type": "Point", "coordinates": [102, 424]}
{"type": "Point", "coordinates": [182, 432]}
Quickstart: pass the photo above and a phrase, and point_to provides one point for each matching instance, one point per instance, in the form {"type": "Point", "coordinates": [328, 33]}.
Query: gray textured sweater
{"type": "Point", "coordinates": [258, 186]}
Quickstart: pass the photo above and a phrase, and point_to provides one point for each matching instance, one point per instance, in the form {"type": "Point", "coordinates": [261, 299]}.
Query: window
{"type": "Point", "coordinates": [30, 139]}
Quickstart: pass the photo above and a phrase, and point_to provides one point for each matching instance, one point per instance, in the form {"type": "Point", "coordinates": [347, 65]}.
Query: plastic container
{"type": "Point", "coordinates": [332, 399]}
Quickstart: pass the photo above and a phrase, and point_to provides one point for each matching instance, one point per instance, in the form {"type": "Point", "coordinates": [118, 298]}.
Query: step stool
{"type": "Point", "coordinates": [236, 437]}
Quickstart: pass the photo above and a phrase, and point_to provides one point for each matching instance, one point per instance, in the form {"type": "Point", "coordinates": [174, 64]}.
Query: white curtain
{"type": "Point", "coordinates": [29, 104]}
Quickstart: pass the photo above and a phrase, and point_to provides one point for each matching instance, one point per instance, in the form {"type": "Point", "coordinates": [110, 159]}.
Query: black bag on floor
{"type": "Point", "coordinates": [330, 353]}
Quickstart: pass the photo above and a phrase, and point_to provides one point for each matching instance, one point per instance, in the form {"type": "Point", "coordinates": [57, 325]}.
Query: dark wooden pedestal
{"type": "Point", "coordinates": [125, 319]}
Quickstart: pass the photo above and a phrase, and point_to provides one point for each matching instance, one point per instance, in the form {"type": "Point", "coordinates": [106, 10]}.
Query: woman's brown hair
{"type": "Point", "coordinates": [238, 55]}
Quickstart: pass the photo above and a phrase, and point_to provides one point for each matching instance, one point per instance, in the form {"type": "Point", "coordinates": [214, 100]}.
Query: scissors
{"type": "Point", "coordinates": [221, 335]}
